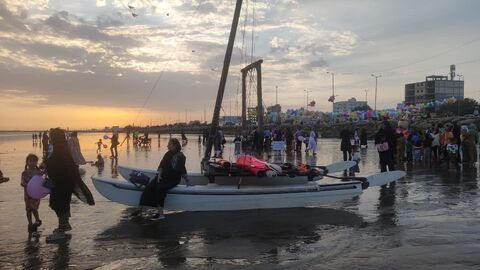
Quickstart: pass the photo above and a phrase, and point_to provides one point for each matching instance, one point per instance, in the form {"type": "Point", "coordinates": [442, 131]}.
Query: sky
{"type": "Point", "coordinates": [91, 64]}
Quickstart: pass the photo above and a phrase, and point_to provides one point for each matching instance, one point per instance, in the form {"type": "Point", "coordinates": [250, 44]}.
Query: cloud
{"type": "Point", "coordinates": [71, 27]}
{"type": "Point", "coordinates": [78, 51]}
{"type": "Point", "coordinates": [71, 52]}
{"type": "Point", "coordinates": [317, 63]}
{"type": "Point", "coordinates": [10, 21]}
{"type": "Point", "coordinates": [202, 7]}
{"type": "Point", "coordinates": [21, 98]}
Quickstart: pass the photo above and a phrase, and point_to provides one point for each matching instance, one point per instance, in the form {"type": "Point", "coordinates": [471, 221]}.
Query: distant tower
{"type": "Point", "coordinates": [452, 72]}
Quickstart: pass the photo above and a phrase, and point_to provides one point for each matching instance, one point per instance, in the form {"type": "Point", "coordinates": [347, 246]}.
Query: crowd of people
{"type": "Point", "coordinates": [448, 144]}
{"type": "Point", "coordinates": [255, 140]}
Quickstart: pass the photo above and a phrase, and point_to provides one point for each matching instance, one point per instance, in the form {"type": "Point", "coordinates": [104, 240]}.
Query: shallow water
{"type": "Point", "coordinates": [429, 220]}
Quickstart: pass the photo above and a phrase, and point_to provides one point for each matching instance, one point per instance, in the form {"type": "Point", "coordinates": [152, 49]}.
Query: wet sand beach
{"type": "Point", "coordinates": [428, 220]}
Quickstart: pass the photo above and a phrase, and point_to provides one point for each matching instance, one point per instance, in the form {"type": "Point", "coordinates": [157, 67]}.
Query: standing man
{"type": "Point", "coordinates": [298, 141]}
{"type": "Point", "coordinates": [45, 143]}
{"type": "Point", "coordinates": [114, 145]}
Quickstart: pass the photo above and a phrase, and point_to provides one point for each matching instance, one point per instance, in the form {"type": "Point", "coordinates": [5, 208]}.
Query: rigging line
{"type": "Point", "coordinates": [434, 56]}
{"type": "Point", "coordinates": [241, 58]}
{"type": "Point", "coordinates": [423, 70]}
{"type": "Point", "coordinates": [440, 67]}
{"type": "Point", "coordinates": [253, 31]}
{"type": "Point", "coordinates": [469, 61]}
{"type": "Point", "coordinates": [244, 53]}
{"type": "Point", "coordinates": [152, 89]}
{"type": "Point", "coordinates": [250, 88]}
{"type": "Point", "coordinates": [160, 76]}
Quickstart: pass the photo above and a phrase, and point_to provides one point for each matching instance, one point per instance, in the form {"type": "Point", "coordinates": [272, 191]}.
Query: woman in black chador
{"type": "Point", "coordinates": [386, 136]}
{"type": "Point", "coordinates": [65, 181]}
{"type": "Point", "coordinates": [363, 138]}
{"type": "Point", "coordinates": [346, 144]}
{"type": "Point", "coordinates": [170, 171]}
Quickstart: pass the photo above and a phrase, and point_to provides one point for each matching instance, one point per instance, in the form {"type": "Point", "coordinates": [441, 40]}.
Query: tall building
{"type": "Point", "coordinates": [435, 88]}
{"type": "Point", "coordinates": [347, 106]}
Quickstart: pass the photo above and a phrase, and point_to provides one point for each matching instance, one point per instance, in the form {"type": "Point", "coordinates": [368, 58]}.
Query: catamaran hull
{"type": "Point", "coordinates": [220, 198]}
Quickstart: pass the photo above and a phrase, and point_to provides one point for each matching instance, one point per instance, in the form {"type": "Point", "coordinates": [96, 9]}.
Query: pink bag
{"type": "Point", "coordinates": [382, 147]}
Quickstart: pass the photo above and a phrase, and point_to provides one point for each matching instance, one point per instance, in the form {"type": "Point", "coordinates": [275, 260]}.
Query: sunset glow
{"type": "Point", "coordinates": [98, 64]}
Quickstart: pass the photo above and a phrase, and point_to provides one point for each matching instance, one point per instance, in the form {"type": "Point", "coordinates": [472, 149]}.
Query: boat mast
{"type": "Point", "coordinates": [223, 81]}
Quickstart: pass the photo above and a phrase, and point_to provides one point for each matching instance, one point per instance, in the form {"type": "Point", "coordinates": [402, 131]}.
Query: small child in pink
{"type": "Point", "coordinates": [31, 204]}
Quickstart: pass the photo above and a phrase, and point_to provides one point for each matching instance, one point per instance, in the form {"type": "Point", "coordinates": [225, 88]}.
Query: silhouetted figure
{"type": "Point", "coordinates": [385, 143]}
{"type": "Point", "coordinates": [184, 138]}
{"type": "Point", "coordinates": [363, 138]}
{"type": "Point", "coordinates": [288, 139]}
{"type": "Point", "coordinates": [113, 147]}
{"type": "Point", "coordinates": [346, 144]}
{"type": "Point", "coordinates": [45, 143]}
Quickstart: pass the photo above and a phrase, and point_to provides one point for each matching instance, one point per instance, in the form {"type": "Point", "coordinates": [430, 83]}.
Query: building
{"type": "Point", "coordinates": [347, 106]}
{"type": "Point", "coordinates": [435, 88]}
{"type": "Point", "coordinates": [228, 120]}
{"type": "Point", "coordinates": [273, 114]}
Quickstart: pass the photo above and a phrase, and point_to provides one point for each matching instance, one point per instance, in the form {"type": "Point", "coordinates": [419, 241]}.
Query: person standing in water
{"type": "Point", "coordinates": [312, 142]}
{"type": "Point", "coordinates": [363, 138]}
{"type": "Point", "coordinates": [346, 144]}
{"type": "Point", "coordinates": [184, 138]}
{"type": "Point", "coordinates": [45, 143]}
{"type": "Point", "coordinates": [386, 146]}
{"type": "Point", "coordinates": [31, 204]}
{"type": "Point", "coordinates": [99, 146]}
{"type": "Point", "coordinates": [127, 138]}
{"type": "Point", "coordinates": [74, 146]}
{"type": "Point", "coordinates": [114, 145]}
{"type": "Point", "coordinates": [238, 143]}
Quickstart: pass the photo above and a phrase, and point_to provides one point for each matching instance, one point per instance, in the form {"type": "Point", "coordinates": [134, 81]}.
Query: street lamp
{"type": "Point", "coordinates": [366, 95]}
{"type": "Point", "coordinates": [376, 84]}
{"type": "Point", "coordinates": [333, 88]}
{"type": "Point", "coordinates": [307, 91]}
{"type": "Point", "coordinates": [276, 94]}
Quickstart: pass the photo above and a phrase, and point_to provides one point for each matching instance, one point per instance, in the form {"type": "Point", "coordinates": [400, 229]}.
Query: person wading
{"type": "Point", "coordinates": [113, 147]}
{"type": "Point", "coordinates": [346, 144]}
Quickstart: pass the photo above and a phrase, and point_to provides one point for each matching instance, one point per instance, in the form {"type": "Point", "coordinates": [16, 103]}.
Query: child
{"type": "Point", "coordinates": [31, 204]}
{"type": "Point", "coordinates": [417, 147]}
{"type": "Point", "coordinates": [427, 146]}
{"type": "Point", "coordinates": [99, 146]}
{"type": "Point", "coordinates": [355, 157]}
{"type": "Point", "coordinates": [238, 143]}
{"type": "Point", "coordinates": [451, 152]}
